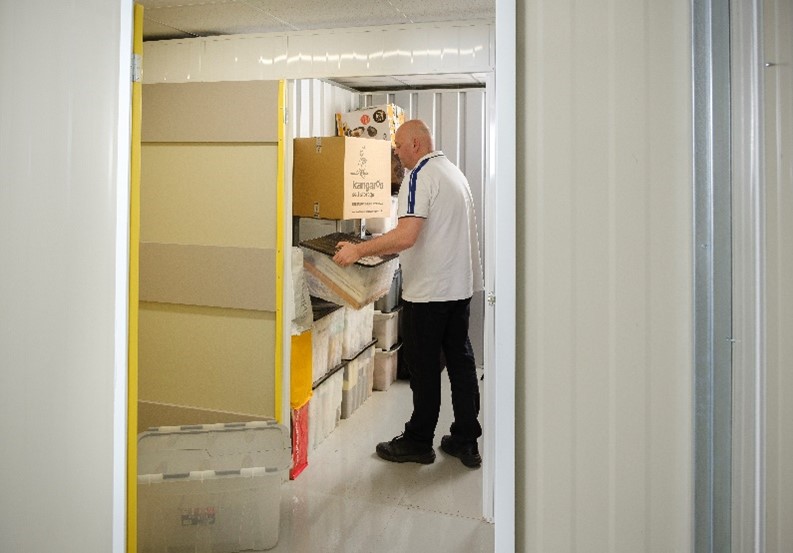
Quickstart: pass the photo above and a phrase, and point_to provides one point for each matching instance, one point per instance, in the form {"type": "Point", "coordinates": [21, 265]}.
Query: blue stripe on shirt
{"type": "Point", "coordinates": [412, 185]}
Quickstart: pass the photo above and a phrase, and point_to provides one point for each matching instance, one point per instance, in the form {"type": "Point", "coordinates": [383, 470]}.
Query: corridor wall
{"type": "Point", "coordinates": [604, 359]}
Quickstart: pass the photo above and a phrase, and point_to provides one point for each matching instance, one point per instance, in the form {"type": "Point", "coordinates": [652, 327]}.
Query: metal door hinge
{"type": "Point", "coordinates": [491, 298]}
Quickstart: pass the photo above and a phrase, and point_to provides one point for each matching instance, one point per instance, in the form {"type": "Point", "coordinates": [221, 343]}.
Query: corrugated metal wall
{"type": "Point", "coordinates": [458, 121]}
{"type": "Point", "coordinates": [779, 267]}
{"type": "Point", "coordinates": [604, 322]}
{"type": "Point", "coordinates": [313, 105]}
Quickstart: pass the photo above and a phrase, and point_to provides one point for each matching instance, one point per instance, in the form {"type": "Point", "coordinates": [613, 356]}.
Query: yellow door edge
{"type": "Point", "coordinates": [280, 254]}
{"type": "Point", "coordinates": [134, 262]}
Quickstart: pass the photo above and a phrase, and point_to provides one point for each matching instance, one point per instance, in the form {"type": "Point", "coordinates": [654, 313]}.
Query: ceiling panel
{"type": "Point", "coordinates": [211, 19]}
{"type": "Point", "coordinates": [313, 14]}
{"type": "Point", "coordinates": [223, 17]}
{"type": "Point", "coordinates": [167, 19]}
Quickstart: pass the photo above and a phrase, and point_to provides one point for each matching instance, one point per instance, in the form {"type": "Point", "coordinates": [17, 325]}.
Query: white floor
{"type": "Point", "coordinates": [349, 500]}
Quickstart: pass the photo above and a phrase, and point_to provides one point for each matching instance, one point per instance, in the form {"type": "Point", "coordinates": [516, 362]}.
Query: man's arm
{"type": "Point", "coordinates": [394, 241]}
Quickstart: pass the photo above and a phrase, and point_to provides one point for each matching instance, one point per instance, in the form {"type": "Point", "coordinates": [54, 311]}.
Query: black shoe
{"type": "Point", "coordinates": [405, 450]}
{"type": "Point", "coordinates": [467, 452]}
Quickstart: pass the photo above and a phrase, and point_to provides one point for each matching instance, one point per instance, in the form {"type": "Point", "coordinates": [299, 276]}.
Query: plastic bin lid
{"type": "Point", "coordinates": [171, 450]}
{"type": "Point", "coordinates": [322, 308]}
{"type": "Point", "coordinates": [366, 347]}
{"type": "Point", "coordinates": [327, 245]}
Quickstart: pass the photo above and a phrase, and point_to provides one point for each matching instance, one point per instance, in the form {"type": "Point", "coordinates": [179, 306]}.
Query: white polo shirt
{"type": "Point", "coordinates": [444, 263]}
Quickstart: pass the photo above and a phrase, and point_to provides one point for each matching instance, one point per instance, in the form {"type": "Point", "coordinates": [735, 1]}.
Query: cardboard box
{"type": "Point", "coordinates": [375, 122]}
{"type": "Point", "coordinates": [341, 177]}
{"type": "Point", "coordinates": [212, 487]}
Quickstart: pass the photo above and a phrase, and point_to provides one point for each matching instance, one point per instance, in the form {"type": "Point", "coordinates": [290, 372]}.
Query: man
{"type": "Point", "coordinates": [441, 269]}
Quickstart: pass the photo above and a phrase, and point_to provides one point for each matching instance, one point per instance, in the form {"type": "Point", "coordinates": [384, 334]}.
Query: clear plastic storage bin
{"type": "Point", "coordinates": [327, 337]}
{"type": "Point", "coordinates": [211, 488]}
{"type": "Point", "coordinates": [385, 367]}
{"type": "Point", "coordinates": [325, 408]}
{"type": "Point", "coordinates": [358, 381]}
{"type": "Point", "coordinates": [358, 330]}
{"type": "Point", "coordinates": [385, 327]}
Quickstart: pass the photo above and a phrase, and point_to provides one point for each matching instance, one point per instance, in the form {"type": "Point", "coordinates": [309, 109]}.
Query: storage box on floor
{"type": "Point", "coordinates": [324, 409]}
{"type": "Point", "coordinates": [212, 487]}
{"type": "Point", "coordinates": [385, 367]}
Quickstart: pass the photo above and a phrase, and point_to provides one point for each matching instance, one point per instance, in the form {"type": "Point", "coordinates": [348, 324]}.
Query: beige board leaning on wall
{"type": "Point", "coordinates": [208, 239]}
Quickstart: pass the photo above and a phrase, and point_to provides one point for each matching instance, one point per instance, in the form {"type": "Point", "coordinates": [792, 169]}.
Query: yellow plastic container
{"type": "Point", "coordinates": [301, 370]}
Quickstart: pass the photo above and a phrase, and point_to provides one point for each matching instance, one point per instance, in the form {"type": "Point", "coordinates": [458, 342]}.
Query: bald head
{"type": "Point", "coordinates": [413, 141]}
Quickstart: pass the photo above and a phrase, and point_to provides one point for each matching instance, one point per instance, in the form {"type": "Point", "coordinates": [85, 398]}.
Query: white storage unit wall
{"type": "Point", "coordinates": [458, 121]}
{"type": "Point", "coordinates": [779, 263]}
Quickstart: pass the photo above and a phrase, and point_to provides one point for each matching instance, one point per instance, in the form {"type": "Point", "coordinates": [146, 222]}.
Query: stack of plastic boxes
{"type": "Point", "coordinates": [358, 352]}
{"type": "Point", "coordinates": [386, 332]}
{"type": "Point", "coordinates": [212, 487]}
{"type": "Point", "coordinates": [358, 380]}
{"type": "Point", "coordinates": [324, 409]}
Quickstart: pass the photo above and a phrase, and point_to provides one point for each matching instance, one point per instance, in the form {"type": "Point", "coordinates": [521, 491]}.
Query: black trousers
{"type": "Point", "coordinates": [431, 329]}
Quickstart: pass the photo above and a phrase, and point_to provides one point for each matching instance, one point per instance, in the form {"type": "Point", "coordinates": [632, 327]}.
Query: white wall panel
{"type": "Point", "coordinates": [456, 47]}
{"type": "Point", "coordinates": [313, 105]}
{"type": "Point", "coordinates": [64, 208]}
{"type": "Point", "coordinates": [779, 266]}
{"type": "Point", "coordinates": [604, 336]}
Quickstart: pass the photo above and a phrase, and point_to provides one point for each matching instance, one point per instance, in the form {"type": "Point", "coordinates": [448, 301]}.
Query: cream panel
{"type": "Point", "coordinates": [239, 278]}
{"type": "Point", "coordinates": [211, 112]}
{"type": "Point", "coordinates": [208, 358]}
{"type": "Point", "coordinates": [779, 267]}
{"type": "Point", "coordinates": [209, 194]}
{"type": "Point", "coordinates": [604, 278]}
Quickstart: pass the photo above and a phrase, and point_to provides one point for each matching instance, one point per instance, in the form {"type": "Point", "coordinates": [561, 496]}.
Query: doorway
{"type": "Point", "coordinates": [502, 273]}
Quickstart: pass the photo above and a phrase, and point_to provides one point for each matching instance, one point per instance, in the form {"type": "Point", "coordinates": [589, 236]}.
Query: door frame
{"type": "Point", "coordinates": [729, 487]}
{"type": "Point", "coordinates": [500, 278]}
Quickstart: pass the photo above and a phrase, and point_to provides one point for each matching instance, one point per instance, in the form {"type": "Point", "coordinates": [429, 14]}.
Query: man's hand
{"type": "Point", "coordinates": [346, 254]}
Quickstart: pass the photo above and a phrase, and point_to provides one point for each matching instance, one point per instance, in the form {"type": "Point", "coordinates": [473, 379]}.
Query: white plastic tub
{"type": "Point", "coordinates": [211, 488]}
{"type": "Point", "coordinates": [385, 367]}
{"type": "Point", "coordinates": [358, 381]}
{"type": "Point", "coordinates": [358, 330]}
{"type": "Point", "coordinates": [385, 327]}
